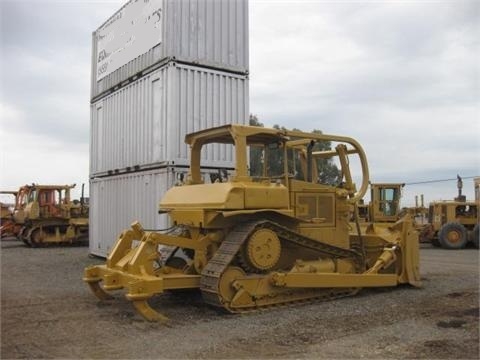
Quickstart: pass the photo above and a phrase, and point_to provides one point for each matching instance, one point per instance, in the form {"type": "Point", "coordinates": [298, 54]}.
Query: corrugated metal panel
{"type": "Point", "coordinates": [210, 32]}
{"type": "Point", "coordinates": [117, 201]}
{"type": "Point", "coordinates": [146, 121]}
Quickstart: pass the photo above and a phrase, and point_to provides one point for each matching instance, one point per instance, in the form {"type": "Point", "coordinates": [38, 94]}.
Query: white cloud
{"type": "Point", "coordinates": [44, 109]}
{"type": "Point", "coordinates": [9, 115]}
{"type": "Point", "coordinates": [403, 82]}
{"type": "Point", "coordinates": [27, 158]}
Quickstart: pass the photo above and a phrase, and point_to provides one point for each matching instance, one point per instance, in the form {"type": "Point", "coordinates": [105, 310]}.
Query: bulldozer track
{"type": "Point", "coordinates": [26, 234]}
{"type": "Point", "coordinates": [22, 235]}
{"type": "Point", "coordinates": [211, 274]}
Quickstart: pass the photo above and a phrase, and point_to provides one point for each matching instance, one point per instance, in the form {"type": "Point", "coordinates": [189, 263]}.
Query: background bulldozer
{"type": "Point", "coordinates": [250, 242]}
{"type": "Point", "coordinates": [47, 215]}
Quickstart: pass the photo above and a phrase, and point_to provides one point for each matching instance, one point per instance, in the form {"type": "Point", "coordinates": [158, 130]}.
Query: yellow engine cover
{"type": "Point", "coordinates": [227, 196]}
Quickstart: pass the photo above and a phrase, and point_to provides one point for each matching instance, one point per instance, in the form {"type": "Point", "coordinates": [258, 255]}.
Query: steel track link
{"type": "Point", "coordinates": [331, 294]}
{"type": "Point", "coordinates": [211, 274]}
{"type": "Point", "coordinates": [23, 236]}
{"type": "Point", "coordinates": [210, 280]}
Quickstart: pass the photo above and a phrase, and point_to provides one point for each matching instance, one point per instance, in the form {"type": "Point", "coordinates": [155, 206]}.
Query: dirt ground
{"type": "Point", "coordinates": [47, 312]}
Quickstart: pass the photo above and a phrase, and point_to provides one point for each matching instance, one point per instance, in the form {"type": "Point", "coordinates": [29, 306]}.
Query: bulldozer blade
{"type": "Point", "coordinates": [147, 312]}
{"type": "Point", "coordinates": [98, 291]}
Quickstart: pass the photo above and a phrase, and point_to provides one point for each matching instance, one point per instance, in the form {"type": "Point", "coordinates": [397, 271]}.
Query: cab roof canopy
{"type": "Point", "coordinates": [256, 135]}
{"type": "Point", "coordinates": [225, 135]}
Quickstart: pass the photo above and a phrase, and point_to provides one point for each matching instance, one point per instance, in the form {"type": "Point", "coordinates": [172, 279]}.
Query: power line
{"type": "Point", "coordinates": [440, 180]}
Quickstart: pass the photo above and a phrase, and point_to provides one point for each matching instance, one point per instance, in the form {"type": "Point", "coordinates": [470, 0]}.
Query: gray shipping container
{"type": "Point", "coordinates": [146, 121]}
{"type": "Point", "coordinates": [117, 201]}
{"type": "Point", "coordinates": [212, 33]}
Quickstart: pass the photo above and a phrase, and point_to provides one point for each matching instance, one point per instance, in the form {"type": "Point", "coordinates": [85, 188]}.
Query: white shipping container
{"type": "Point", "coordinates": [146, 121]}
{"type": "Point", "coordinates": [117, 201]}
{"type": "Point", "coordinates": [143, 33]}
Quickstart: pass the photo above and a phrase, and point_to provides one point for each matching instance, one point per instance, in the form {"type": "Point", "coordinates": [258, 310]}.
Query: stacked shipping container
{"type": "Point", "coordinates": [145, 121]}
{"type": "Point", "coordinates": [160, 69]}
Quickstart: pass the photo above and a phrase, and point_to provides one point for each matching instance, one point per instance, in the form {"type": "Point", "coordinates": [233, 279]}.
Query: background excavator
{"type": "Point", "coordinates": [254, 241]}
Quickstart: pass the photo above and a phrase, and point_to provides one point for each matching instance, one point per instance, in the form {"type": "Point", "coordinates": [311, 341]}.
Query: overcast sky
{"type": "Point", "coordinates": [402, 77]}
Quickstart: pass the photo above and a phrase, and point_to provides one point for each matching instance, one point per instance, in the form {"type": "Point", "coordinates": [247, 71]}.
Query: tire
{"type": "Point", "coordinates": [476, 235]}
{"type": "Point", "coordinates": [452, 236]}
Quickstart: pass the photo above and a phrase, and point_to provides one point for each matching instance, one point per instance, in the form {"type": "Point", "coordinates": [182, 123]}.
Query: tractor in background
{"type": "Point", "coordinates": [446, 224]}
{"type": "Point", "coordinates": [454, 224]}
{"type": "Point", "coordinates": [46, 214]}
{"type": "Point", "coordinates": [384, 203]}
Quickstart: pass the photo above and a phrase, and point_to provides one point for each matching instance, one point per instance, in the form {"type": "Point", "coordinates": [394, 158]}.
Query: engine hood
{"type": "Point", "coordinates": [226, 196]}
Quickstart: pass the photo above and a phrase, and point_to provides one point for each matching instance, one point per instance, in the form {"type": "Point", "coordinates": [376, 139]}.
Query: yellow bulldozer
{"type": "Point", "coordinates": [46, 214]}
{"type": "Point", "coordinates": [251, 242]}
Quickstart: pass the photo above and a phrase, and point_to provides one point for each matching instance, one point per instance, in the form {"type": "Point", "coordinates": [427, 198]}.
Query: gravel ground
{"type": "Point", "coordinates": [47, 312]}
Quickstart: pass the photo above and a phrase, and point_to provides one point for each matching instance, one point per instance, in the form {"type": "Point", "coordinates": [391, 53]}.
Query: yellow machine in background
{"type": "Point", "coordinates": [8, 228]}
{"type": "Point", "coordinates": [47, 215]}
{"type": "Point", "coordinates": [453, 224]}
{"type": "Point", "coordinates": [384, 203]}
{"type": "Point", "coordinates": [250, 242]}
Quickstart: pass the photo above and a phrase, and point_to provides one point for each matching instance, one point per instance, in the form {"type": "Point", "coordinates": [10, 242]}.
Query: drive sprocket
{"type": "Point", "coordinates": [261, 252]}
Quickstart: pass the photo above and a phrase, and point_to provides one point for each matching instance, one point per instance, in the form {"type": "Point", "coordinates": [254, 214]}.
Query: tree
{"type": "Point", "coordinates": [328, 172]}
{"type": "Point", "coordinates": [256, 153]}
{"type": "Point", "coordinates": [253, 121]}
